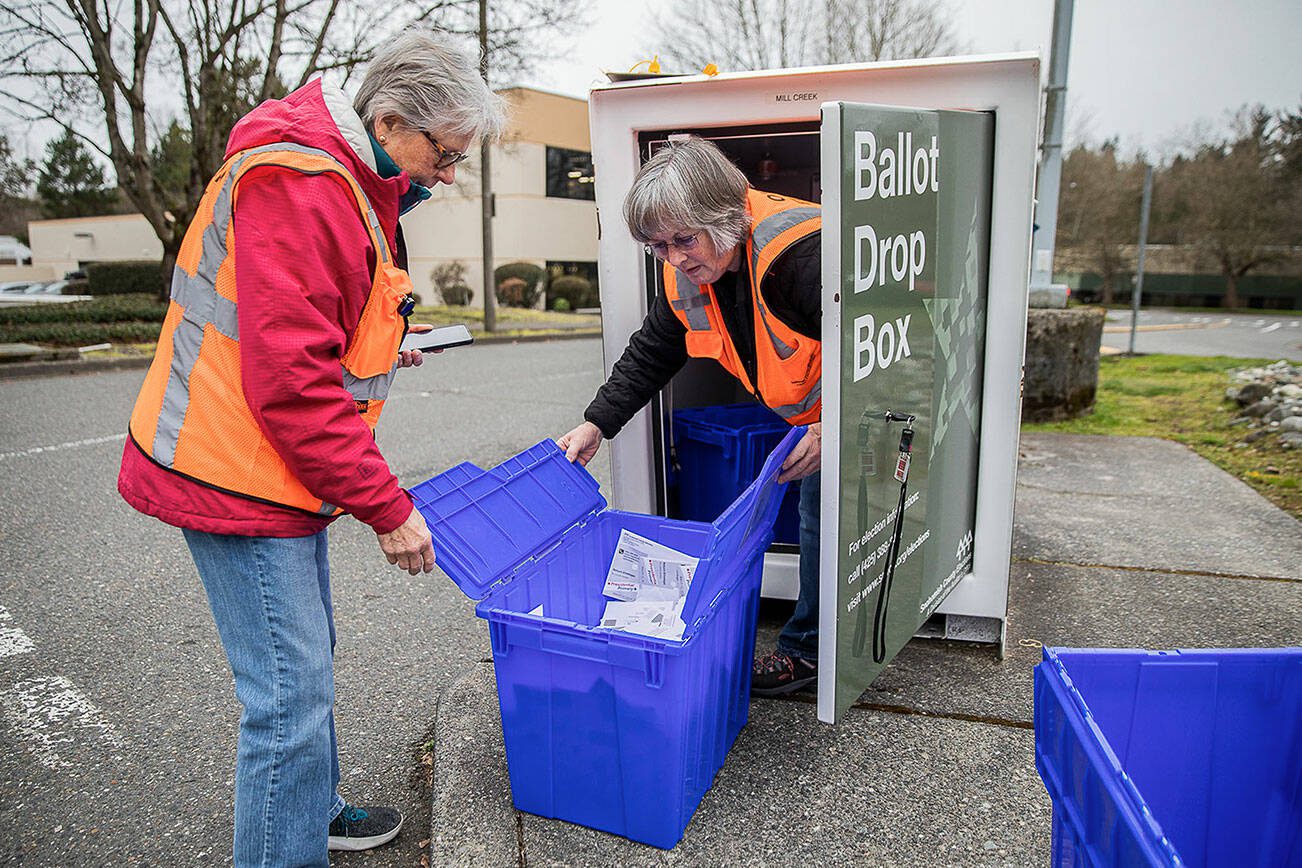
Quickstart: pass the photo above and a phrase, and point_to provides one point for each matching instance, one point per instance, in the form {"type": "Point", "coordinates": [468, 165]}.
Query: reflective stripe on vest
{"type": "Point", "coordinates": [201, 305]}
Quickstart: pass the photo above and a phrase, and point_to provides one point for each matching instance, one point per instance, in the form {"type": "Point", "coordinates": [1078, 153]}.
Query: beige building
{"type": "Point", "coordinates": [60, 246]}
{"type": "Point", "coordinates": [542, 184]}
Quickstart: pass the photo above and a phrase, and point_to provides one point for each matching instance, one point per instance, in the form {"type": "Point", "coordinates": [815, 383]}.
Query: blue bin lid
{"type": "Point", "coordinates": [485, 523]}
{"type": "Point", "coordinates": [752, 514]}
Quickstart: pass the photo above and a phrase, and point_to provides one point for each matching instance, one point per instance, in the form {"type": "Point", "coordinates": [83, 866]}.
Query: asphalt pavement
{"type": "Point", "coordinates": [118, 721]}
{"type": "Point", "coordinates": [117, 715]}
{"type": "Point", "coordinates": [1251, 336]}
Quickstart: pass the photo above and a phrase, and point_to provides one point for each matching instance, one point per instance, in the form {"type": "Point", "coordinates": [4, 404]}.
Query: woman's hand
{"type": "Point", "coordinates": [414, 358]}
{"type": "Point", "coordinates": [806, 457]}
{"type": "Point", "coordinates": [582, 443]}
{"type": "Point", "coordinates": [409, 545]}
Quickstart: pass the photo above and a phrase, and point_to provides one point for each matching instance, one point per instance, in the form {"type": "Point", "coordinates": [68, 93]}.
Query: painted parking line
{"type": "Point", "coordinates": [49, 714]}
{"type": "Point", "coordinates": [58, 447]}
{"type": "Point", "coordinates": [13, 641]}
{"type": "Point", "coordinates": [1270, 328]}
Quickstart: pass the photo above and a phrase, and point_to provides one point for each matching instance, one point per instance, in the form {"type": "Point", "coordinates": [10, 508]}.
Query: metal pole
{"type": "Point", "coordinates": [1055, 106]}
{"type": "Point", "coordinates": [486, 187]}
{"type": "Point", "coordinates": [1139, 268]}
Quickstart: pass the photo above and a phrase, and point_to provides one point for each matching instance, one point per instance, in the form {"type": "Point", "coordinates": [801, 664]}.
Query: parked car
{"type": "Point", "coordinates": [54, 287]}
{"type": "Point", "coordinates": [17, 287]}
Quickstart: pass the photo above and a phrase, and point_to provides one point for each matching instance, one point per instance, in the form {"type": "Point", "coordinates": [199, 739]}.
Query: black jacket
{"type": "Point", "coordinates": [792, 290]}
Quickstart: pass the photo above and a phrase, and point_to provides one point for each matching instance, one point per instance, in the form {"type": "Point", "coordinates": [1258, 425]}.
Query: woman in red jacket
{"type": "Point", "coordinates": [253, 429]}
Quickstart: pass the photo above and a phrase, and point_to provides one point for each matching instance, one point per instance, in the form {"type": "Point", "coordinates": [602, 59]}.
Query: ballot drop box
{"type": "Point", "coordinates": [923, 171]}
{"type": "Point", "coordinates": [611, 730]}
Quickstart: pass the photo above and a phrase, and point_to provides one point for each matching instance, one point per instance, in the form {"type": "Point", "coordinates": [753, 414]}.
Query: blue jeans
{"type": "Point", "coordinates": [799, 637]}
{"type": "Point", "coordinates": [270, 598]}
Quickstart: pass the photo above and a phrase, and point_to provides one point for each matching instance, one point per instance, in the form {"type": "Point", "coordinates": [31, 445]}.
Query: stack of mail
{"type": "Point", "coordinates": [648, 584]}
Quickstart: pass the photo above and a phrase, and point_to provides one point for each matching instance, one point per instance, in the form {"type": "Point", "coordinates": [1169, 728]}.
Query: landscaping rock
{"type": "Point", "coordinates": [1291, 440]}
{"type": "Point", "coordinates": [1292, 423]}
{"type": "Point", "coordinates": [1254, 392]}
{"type": "Point", "coordinates": [1259, 409]}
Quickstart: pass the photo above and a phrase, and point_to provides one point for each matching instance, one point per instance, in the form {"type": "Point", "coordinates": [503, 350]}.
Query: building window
{"type": "Point", "coordinates": [569, 174]}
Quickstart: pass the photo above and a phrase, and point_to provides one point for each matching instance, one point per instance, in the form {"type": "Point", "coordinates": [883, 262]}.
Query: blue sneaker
{"type": "Point", "coordinates": [363, 828]}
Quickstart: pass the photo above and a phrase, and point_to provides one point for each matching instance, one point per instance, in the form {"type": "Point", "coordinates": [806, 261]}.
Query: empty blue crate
{"type": "Point", "coordinates": [611, 730]}
{"type": "Point", "coordinates": [720, 450]}
{"type": "Point", "coordinates": [1172, 758]}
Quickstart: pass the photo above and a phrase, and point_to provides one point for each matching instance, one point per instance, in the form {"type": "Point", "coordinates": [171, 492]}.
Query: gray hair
{"type": "Point", "coordinates": [427, 81]}
{"type": "Point", "coordinates": [689, 185]}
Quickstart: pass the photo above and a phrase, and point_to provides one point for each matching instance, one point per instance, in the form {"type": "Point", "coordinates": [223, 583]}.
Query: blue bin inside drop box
{"type": "Point", "coordinates": [611, 730]}
{"type": "Point", "coordinates": [1172, 757]}
{"type": "Point", "coordinates": [720, 449]}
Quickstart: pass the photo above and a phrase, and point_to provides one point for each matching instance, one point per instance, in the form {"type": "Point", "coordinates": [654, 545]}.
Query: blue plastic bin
{"type": "Point", "coordinates": [611, 730]}
{"type": "Point", "coordinates": [1172, 757]}
{"type": "Point", "coordinates": [720, 450]}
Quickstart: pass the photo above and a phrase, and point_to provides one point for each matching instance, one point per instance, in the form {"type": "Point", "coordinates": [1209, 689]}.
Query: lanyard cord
{"type": "Point", "coordinates": [888, 572]}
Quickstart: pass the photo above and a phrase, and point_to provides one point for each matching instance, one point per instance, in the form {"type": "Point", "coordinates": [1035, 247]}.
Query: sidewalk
{"type": "Point", "coordinates": [1118, 542]}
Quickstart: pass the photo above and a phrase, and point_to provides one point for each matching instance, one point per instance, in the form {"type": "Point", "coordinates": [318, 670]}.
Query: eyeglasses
{"type": "Point", "coordinates": [660, 249]}
{"type": "Point", "coordinates": [446, 158]}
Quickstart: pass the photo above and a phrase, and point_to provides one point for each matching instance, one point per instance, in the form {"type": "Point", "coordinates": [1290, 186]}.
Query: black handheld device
{"type": "Point", "coordinates": [437, 339]}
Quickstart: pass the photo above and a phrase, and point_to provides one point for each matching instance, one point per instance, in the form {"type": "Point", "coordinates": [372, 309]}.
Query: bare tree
{"type": "Point", "coordinates": [771, 34]}
{"type": "Point", "coordinates": [735, 34]}
{"type": "Point", "coordinates": [101, 71]}
{"type": "Point", "coordinates": [1232, 197]}
{"type": "Point", "coordinates": [1099, 210]}
{"type": "Point", "coordinates": [886, 30]}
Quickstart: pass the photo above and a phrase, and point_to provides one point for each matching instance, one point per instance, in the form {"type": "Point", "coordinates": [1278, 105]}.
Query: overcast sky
{"type": "Point", "coordinates": [1144, 70]}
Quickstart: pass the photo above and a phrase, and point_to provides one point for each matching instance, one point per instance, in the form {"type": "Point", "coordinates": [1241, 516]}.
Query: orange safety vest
{"type": "Point", "coordinates": [191, 417]}
{"type": "Point", "coordinates": [788, 365]}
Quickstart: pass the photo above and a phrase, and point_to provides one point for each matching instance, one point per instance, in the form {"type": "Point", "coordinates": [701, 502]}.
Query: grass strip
{"type": "Point", "coordinates": [1182, 398]}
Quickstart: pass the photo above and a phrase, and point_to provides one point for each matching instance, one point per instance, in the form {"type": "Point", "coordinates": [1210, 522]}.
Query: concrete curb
{"type": "Point", "coordinates": [472, 820]}
{"type": "Point", "coordinates": [54, 366]}
{"type": "Point", "coordinates": [1167, 327]}
{"type": "Point", "coordinates": [21, 370]}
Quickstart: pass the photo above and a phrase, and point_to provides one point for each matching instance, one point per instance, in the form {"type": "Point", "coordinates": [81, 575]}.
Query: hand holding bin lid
{"type": "Point", "coordinates": [486, 522]}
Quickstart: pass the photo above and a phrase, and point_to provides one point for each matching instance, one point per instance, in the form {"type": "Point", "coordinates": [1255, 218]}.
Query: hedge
{"type": "Point", "coordinates": [131, 318]}
{"type": "Point", "coordinates": [117, 278]}
{"type": "Point", "coordinates": [577, 291]}
{"type": "Point", "coordinates": [111, 308]}
{"type": "Point", "coordinates": [79, 334]}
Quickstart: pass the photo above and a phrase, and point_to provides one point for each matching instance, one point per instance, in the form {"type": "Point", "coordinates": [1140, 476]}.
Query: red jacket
{"type": "Point", "coordinates": [303, 271]}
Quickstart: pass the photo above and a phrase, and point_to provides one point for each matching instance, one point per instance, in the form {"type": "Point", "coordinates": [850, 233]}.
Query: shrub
{"type": "Point", "coordinates": [138, 306]}
{"type": "Point", "coordinates": [449, 279]}
{"type": "Point", "coordinates": [513, 292]}
{"type": "Point", "coordinates": [561, 305]}
{"type": "Point", "coordinates": [113, 318]}
{"type": "Point", "coordinates": [526, 280]}
{"type": "Point", "coordinates": [117, 278]}
{"type": "Point", "coordinates": [574, 290]}
{"type": "Point", "coordinates": [79, 334]}
{"type": "Point", "coordinates": [459, 295]}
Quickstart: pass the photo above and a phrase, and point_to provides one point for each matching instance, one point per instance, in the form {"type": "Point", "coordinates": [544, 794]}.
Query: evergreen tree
{"type": "Point", "coordinates": [15, 182]}
{"type": "Point", "coordinates": [72, 184]}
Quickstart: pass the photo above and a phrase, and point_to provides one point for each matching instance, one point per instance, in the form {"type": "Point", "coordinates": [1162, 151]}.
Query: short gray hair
{"type": "Point", "coordinates": [689, 184]}
{"type": "Point", "coordinates": [430, 83]}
